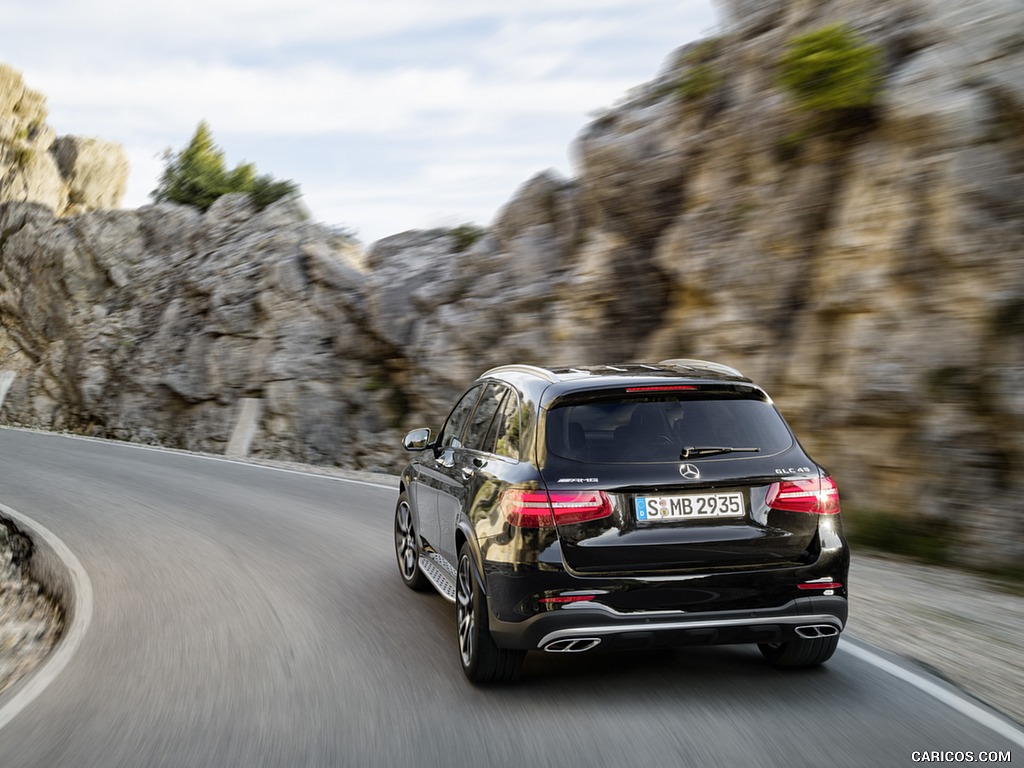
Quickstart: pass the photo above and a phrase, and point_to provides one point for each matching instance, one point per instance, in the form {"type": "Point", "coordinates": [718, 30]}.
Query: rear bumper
{"type": "Point", "coordinates": [574, 626]}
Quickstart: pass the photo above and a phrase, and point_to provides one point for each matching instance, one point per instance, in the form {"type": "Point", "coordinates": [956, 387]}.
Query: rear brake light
{"type": "Point", "coordinates": [813, 495]}
{"type": "Point", "coordinates": [539, 509]}
{"type": "Point", "coordinates": [663, 388]}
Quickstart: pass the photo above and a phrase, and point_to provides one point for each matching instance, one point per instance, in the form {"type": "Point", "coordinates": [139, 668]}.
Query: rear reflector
{"type": "Point", "coordinates": [540, 509]}
{"type": "Point", "coordinates": [567, 599]}
{"type": "Point", "coordinates": [820, 585]}
{"type": "Point", "coordinates": [813, 495]}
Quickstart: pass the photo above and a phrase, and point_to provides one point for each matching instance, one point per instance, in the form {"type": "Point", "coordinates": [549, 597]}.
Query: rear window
{"type": "Point", "coordinates": [659, 428]}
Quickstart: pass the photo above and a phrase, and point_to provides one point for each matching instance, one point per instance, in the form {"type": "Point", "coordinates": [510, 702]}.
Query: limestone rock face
{"type": "Point", "coordinates": [150, 325]}
{"type": "Point", "coordinates": [67, 175]}
{"type": "Point", "coordinates": [868, 274]}
{"type": "Point", "coordinates": [95, 172]}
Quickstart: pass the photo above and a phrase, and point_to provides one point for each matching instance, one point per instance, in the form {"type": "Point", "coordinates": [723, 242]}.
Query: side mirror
{"type": "Point", "coordinates": [417, 440]}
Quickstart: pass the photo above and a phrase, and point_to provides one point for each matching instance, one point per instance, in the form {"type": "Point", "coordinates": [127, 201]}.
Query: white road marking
{"type": "Point", "coordinates": [72, 638]}
{"type": "Point", "coordinates": [948, 696]}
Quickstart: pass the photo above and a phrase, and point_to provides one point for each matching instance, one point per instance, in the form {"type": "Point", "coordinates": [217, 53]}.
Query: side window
{"type": "Point", "coordinates": [480, 435]}
{"type": "Point", "coordinates": [451, 434]}
{"type": "Point", "coordinates": [508, 427]}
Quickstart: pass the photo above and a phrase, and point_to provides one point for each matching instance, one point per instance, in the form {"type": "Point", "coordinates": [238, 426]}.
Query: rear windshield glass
{"type": "Point", "coordinates": [660, 428]}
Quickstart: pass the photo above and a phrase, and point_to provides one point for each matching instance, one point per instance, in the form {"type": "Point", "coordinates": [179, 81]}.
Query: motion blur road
{"type": "Point", "coordinates": [245, 616]}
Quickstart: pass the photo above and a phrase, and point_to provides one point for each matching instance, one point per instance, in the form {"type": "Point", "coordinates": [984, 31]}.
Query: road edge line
{"type": "Point", "coordinates": [948, 696]}
{"type": "Point", "coordinates": [62, 575]}
{"type": "Point", "coordinates": [246, 462]}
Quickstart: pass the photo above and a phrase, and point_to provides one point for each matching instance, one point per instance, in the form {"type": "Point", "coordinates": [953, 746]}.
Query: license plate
{"type": "Point", "coordinates": [692, 506]}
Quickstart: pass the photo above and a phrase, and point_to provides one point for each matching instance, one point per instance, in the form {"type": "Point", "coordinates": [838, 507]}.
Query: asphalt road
{"type": "Point", "coordinates": [250, 617]}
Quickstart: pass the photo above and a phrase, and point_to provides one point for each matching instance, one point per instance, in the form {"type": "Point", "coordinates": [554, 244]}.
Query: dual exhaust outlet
{"type": "Point", "coordinates": [814, 631]}
{"type": "Point", "coordinates": [572, 645]}
{"type": "Point", "coordinates": [581, 644]}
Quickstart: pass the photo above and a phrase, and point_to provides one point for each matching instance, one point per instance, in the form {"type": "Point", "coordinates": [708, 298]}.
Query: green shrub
{"type": "Point", "coordinates": [831, 68]}
{"type": "Point", "coordinates": [198, 176]}
{"type": "Point", "coordinates": [465, 235]}
{"type": "Point", "coordinates": [699, 81]}
{"type": "Point", "coordinates": [266, 190]}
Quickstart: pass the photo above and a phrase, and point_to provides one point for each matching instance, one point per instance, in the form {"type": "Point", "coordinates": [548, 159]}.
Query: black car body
{"type": "Point", "coordinates": [622, 507]}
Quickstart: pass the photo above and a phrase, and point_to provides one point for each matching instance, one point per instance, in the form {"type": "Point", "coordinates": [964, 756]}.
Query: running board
{"type": "Point", "coordinates": [439, 573]}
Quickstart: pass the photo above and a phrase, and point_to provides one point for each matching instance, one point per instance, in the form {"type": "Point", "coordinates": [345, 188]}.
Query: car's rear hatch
{"type": "Point", "coordinates": [676, 480]}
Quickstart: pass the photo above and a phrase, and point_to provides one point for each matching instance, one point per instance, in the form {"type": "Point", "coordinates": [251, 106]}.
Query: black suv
{"type": "Point", "coordinates": [622, 507]}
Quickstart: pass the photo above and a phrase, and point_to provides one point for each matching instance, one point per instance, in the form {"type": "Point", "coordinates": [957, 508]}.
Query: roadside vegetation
{"type": "Point", "coordinates": [832, 69]}
{"type": "Point", "coordinates": [198, 175]}
{"type": "Point", "coordinates": [926, 541]}
{"type": "Point", "coordinates": [834, 77]}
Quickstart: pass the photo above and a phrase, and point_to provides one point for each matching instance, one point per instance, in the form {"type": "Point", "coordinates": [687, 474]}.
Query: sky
{"type": "Point", "coordinates": [394, 115]}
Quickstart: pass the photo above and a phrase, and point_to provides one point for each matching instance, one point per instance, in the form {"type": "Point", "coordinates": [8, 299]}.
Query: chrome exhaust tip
{"type": "Point", "coordinates": [814, 631]}
{"type": "Point", "coordinates": [572, 645]}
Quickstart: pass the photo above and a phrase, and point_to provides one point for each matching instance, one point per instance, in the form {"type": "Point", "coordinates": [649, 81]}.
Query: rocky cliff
{"type": "Point", "coordinates": [68, 174]}
{"type": "Point", "coordinates": [869, 275]}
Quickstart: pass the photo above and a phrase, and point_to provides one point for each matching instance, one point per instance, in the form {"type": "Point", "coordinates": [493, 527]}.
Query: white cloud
{"type": "Point", "coordinates": [318, 99]}
{"type": "Point", "coordinates": [461, 101]}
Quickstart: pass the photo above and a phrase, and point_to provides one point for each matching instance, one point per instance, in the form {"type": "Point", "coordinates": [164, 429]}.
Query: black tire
{"type": "Point", "coordinates": [407, 546]}
{"type": "Point", "coordinates": [482, 660]}
{"type": "Point", "coordinates": [800, 651]}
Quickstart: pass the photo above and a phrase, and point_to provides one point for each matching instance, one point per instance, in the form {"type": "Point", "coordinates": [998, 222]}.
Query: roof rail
{"type": "Point", "coordinates": [520, 368]}
{"type": "Point", "coordinates": [706, 364]}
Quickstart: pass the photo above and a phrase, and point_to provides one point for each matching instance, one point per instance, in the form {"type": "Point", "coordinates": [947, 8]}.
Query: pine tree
{"type": "Point", "coordinates": [198, 176]}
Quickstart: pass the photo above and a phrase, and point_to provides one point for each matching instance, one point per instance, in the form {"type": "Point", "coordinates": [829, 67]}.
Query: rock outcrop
{"type": "Point", "coordinates": [68, 174]}
{"type": "Point", "coordinates": [869, 274]}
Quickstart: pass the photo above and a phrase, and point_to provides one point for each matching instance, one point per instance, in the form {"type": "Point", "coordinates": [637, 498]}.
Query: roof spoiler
{"type": "Point", "coordinates": [706, 365]}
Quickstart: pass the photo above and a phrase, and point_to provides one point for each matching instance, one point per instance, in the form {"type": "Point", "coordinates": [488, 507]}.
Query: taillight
{"type": "Point", "coordinates": [813, 495]}
{"type": "Point", "coordinates": [540, 509]}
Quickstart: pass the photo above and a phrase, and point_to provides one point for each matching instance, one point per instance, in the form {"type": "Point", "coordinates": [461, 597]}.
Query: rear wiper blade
{"type": "Point", "coordinates": [711, 450]}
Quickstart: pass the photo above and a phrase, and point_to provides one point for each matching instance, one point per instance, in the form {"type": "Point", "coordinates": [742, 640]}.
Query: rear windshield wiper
{"type": "Point", "coordinates": [710, 450]}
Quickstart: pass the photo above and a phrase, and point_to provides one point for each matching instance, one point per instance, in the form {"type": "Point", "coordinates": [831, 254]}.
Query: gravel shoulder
{"type": "Point", "coordinates": [967, 629]}
{"type": "Point", "coordinates": [30, 621]}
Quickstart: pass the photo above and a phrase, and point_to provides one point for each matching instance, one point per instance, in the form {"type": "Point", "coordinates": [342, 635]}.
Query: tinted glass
{"type": "Point", "coordinates": [507, 429]}
{"type": "Point", "coordinates": [480, 435]}
{"type": "Point", "coordinates": [451, 437]}
{"type": "Point", "coordinates": [658, 429]}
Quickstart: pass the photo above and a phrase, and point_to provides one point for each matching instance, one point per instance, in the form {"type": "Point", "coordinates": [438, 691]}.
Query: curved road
{"type": "Point", "coordinates": [246, 616]}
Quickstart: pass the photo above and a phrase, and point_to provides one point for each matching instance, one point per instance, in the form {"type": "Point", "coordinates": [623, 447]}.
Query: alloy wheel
{"type": "Point", "coordinates": [405, 541]}
{"type": "Point", "coordinates": [464, 612]}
